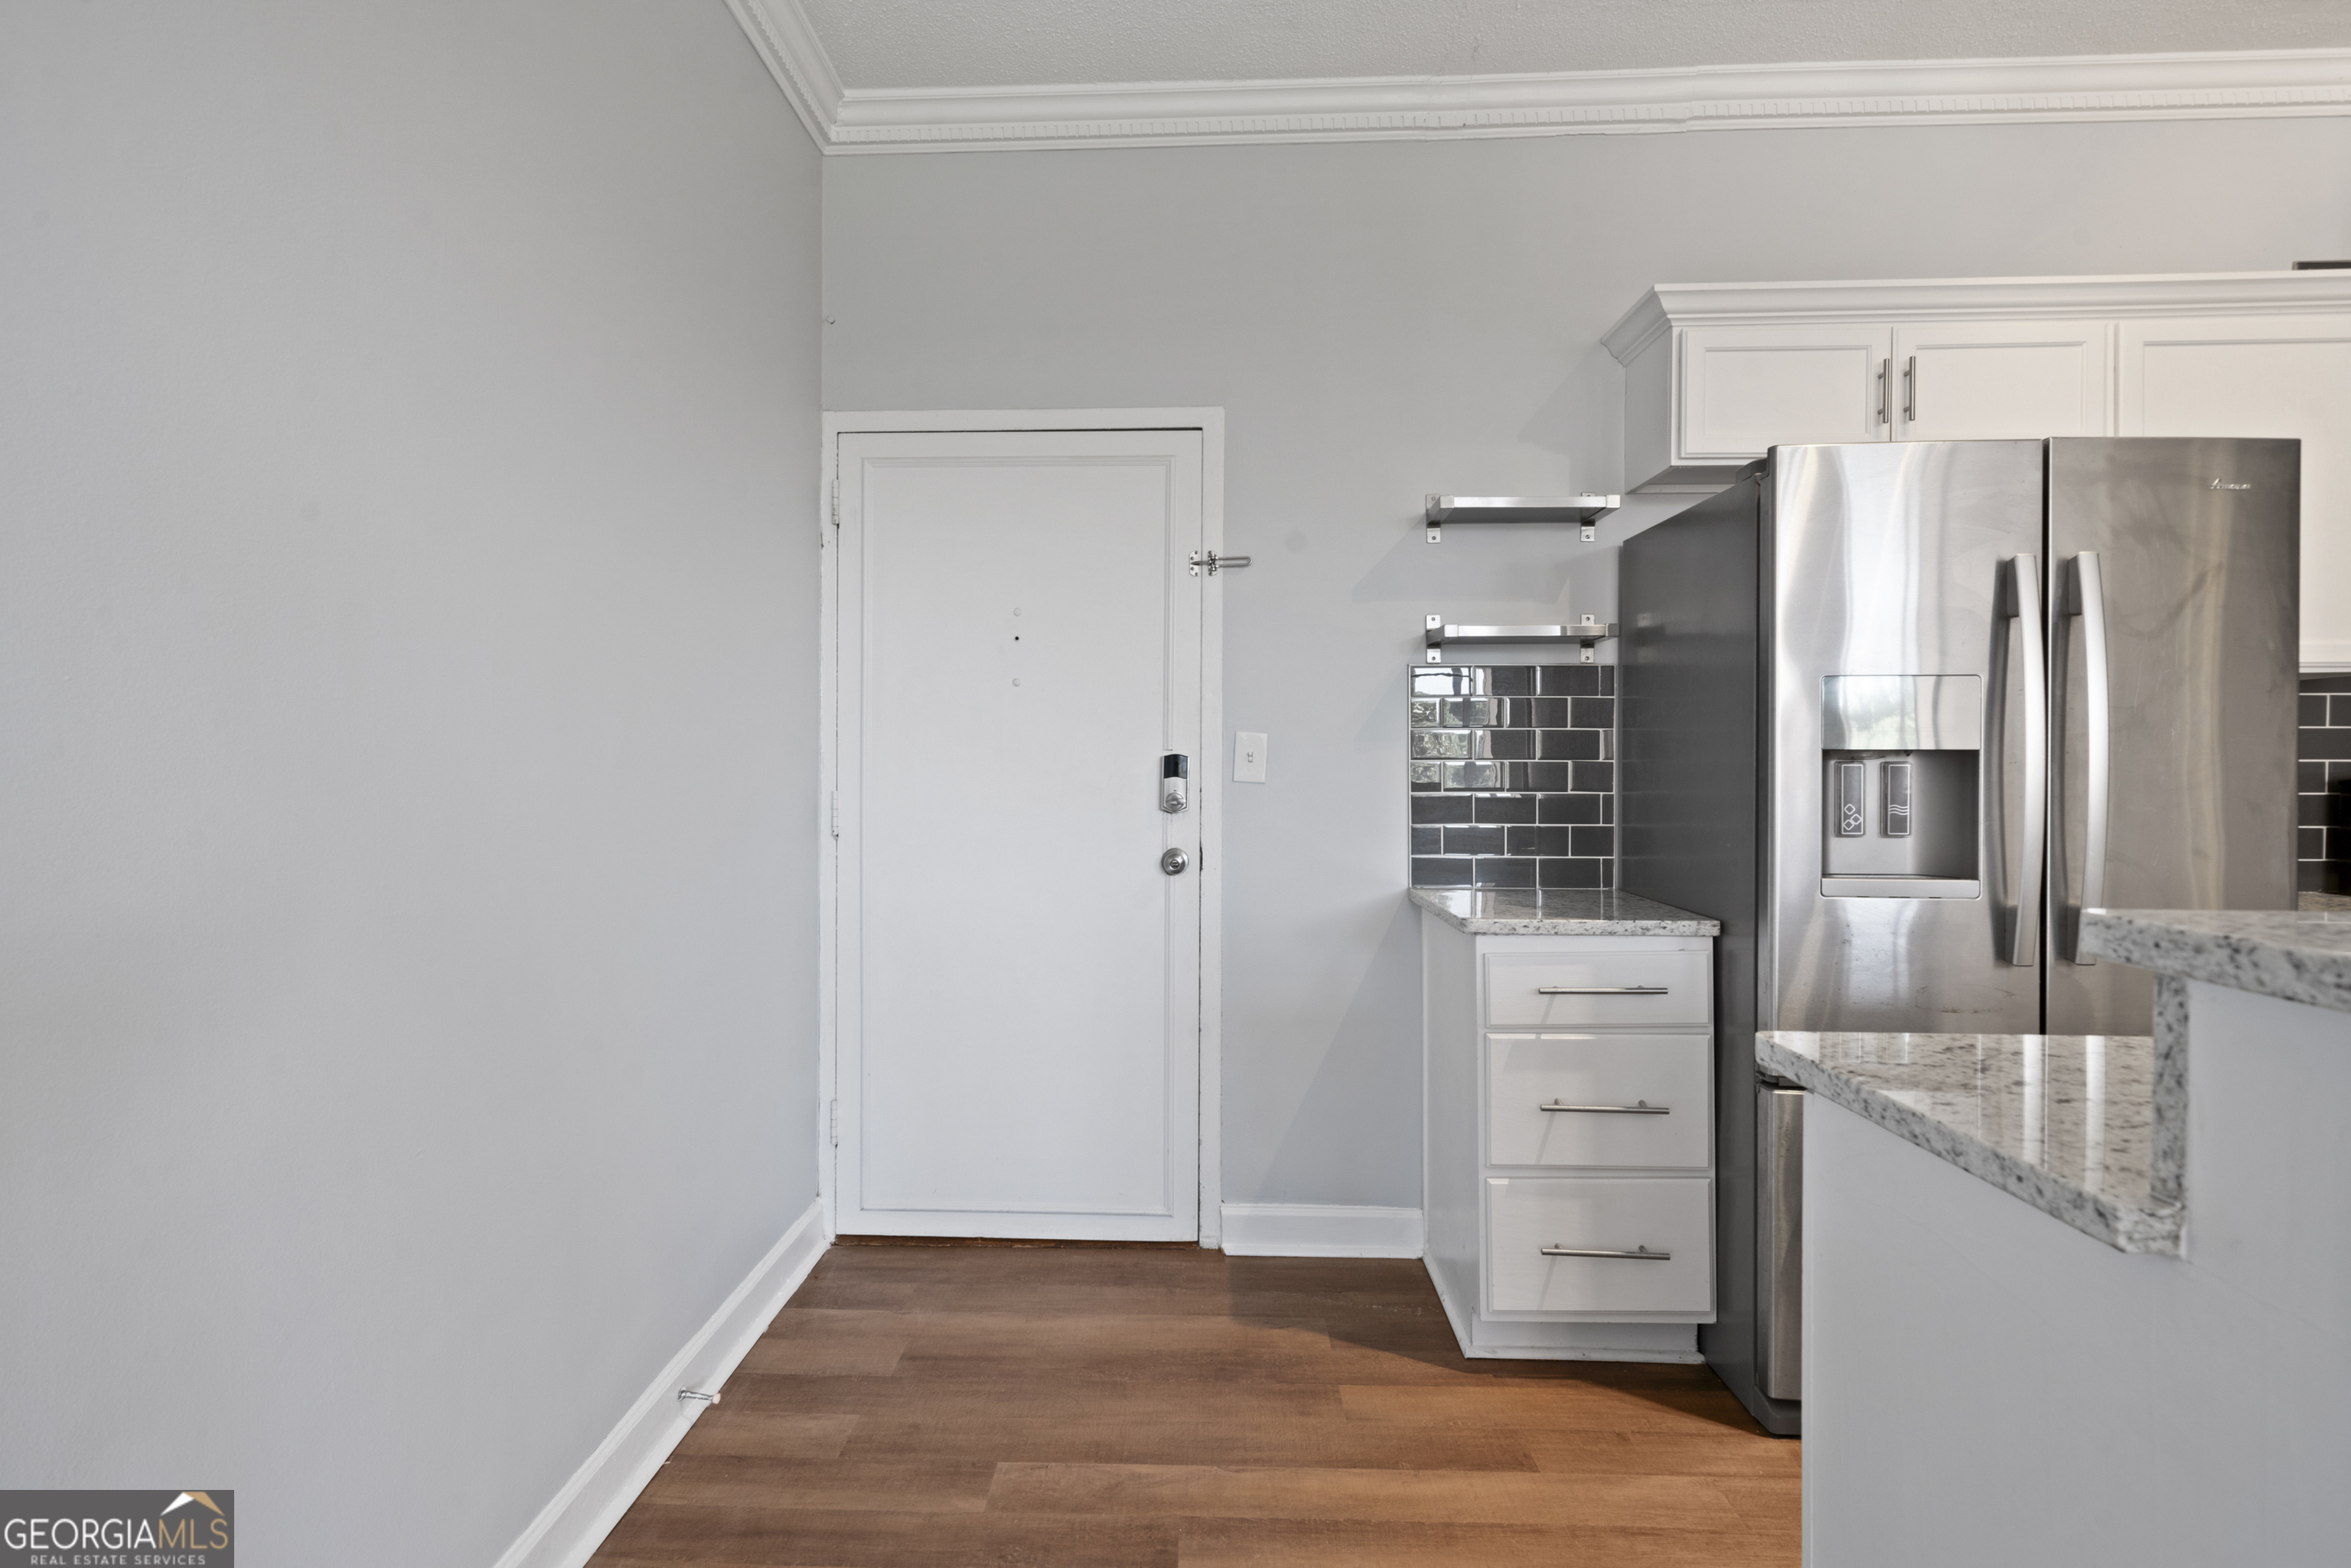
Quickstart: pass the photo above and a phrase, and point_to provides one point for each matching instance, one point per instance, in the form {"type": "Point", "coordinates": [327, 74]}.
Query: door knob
{"type": "Point", "coordinates": [1173, 861]}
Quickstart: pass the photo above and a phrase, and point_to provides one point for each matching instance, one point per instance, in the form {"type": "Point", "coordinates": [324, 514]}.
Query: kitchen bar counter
{"type": "Point", "coordinates": [2297, 956]}
{"type": "Point", "coordinates": [2064, 1122]}
{"type": "Point", "coordinates": [1559, 911]}
{"type": "Point", "coordinates": [2120, 1401]}
{"type": "Point", "coordinates": [2090, 1129]}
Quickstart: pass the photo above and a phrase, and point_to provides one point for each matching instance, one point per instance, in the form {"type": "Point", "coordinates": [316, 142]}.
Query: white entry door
{"type": "Point", "coordinates": [1018, 1002]}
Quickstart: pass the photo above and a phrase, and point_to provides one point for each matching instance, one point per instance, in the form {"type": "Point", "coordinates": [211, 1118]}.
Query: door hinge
{"type": "Point", "coordinates": [832, 813]}
{"type": "Point", "coordinates": [1215, 563]}
{"type": "Point", "coordinates": [835, 1124]}
{"type": "Point", "coordinates": [836, 500]}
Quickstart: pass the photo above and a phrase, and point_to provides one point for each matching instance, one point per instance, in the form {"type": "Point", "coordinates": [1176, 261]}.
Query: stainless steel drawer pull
{"type": "Point", "coordinates": [1600, 991]}
{"type": "Point", "coordinates": [1638, 1108]}
{"type": "Point", "coordinates": [1641, 1253]}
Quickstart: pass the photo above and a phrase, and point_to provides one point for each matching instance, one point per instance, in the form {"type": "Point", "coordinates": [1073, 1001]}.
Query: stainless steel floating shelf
{"type": "Point", "coordinates": [1520, 509]}
{"type": "Point", "coordinates": [1585, 510]}
{"type": "Point", "coordinates": [1584, 634]}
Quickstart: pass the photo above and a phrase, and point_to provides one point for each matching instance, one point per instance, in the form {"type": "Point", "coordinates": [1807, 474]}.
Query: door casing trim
{"type": "Point", "coordinates": [1207, 777]}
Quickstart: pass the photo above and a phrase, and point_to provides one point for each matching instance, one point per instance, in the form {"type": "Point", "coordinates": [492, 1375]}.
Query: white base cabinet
{"type": "Point", "coordinates": [1570, 1142]}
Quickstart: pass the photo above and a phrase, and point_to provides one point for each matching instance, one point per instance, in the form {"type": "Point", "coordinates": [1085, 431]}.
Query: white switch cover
{"type": "Point", "coordinates": [1248, 757]}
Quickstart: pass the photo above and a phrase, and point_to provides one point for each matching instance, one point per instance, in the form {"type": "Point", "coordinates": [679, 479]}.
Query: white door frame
{"type": "Point", "coordinates": [1207, 779]}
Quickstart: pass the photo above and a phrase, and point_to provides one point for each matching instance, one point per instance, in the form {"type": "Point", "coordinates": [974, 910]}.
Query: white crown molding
{"type": "Point", "coordinates": [787, 45]}
{"type": "Point", "coordinates": [2262, 84]}
{"type": "Point", "coordinates": [1902, 92]}
{"type": "Point", "coordinates": [1992, 298]}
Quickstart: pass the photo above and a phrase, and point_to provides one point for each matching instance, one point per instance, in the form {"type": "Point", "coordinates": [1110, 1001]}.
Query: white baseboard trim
{"type": "Point", "coordinates": [1319, 1230]}
{"type": "Point", "coordinates": [577, 1519]}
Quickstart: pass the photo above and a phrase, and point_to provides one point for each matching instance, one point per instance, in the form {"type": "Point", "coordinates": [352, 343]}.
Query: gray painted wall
{"type": "Point", "coordinates": [1382, 321]}
{"type": "Point", "coordinates": [407, 604]}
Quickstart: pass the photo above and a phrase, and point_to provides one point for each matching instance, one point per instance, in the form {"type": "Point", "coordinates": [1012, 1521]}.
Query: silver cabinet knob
{"type": "Point", "coordinates": [1173, 861]}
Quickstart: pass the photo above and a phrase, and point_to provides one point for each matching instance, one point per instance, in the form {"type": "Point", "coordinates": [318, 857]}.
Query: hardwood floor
{"type": "Point", "coordinates": [1167, 1408]}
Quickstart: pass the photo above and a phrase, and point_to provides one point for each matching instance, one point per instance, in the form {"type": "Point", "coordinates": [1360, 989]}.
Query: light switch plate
{"type": "Point", "coordinates": [1248, 757]}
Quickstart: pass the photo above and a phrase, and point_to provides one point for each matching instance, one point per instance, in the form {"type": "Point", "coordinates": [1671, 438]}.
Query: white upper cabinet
{"type": "Point", "coordinates": [2000, 380]}
{"type": "Point", "coordinates": [2263, 375]}
{"type": "Point", "coordinates": [1717, 374]}
{"type": "Point", "coordinates": [1744, 389]}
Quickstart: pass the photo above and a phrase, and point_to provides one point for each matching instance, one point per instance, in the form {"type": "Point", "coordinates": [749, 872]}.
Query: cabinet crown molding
{"type": "Point", "coordinates": [1668, 305]}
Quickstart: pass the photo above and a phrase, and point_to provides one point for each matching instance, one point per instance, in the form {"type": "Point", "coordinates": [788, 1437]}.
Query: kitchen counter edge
{"type": "Point", "coordinates": [2124, 1226]}
{"type": "Point", "coordinates": [2297, 956]}
{"type": "Point", "coordinates": [1482, 912]}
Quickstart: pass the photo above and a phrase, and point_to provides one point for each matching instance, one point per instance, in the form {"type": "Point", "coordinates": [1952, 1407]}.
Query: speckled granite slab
{"type": "Point", "coordinates": [2301, 956]}
{"type": "Point", "coordinates": [1559, 912]}
{"type": "Point", "coordinates": [2067, 1122]}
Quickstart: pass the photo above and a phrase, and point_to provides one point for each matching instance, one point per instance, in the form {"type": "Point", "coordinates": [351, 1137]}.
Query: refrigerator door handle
{"type": "Point", "coordinates": [2019, 912]}
{"type": "Point", "coordinates": [2086, 596]}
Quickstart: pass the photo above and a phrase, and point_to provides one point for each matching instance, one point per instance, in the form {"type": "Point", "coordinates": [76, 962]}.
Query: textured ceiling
{"type": "Point", "coordinates": [1010, 43]}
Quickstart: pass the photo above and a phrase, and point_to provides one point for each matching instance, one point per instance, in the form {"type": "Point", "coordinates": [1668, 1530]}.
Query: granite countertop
{"type": "Point", "coordinates": [2299, 954]}
{"type": "Point", "coordinates": [1559, 911]}
{"type": "Point", "coordinates": [2067, 1122]}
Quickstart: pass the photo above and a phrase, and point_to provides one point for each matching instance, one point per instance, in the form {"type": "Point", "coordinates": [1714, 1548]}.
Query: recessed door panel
{"type": "Point", "coordinates": [2000, 380]}
{"type": "Point", "coordinates": [2264, 376]}
{"type": "Point", "coordinates": [1747, 389]}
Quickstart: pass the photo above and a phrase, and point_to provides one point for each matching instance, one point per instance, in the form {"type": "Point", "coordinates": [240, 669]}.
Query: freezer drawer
{"type": "Point", "coordinates": [1647, 1244]}
{"type": "Point", "coordinates": [1588, 990]}
{"type": "Point", "coordinates": [1632, 1101]}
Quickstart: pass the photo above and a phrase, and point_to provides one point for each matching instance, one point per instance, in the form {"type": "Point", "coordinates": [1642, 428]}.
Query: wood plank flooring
{"type": "Point", "coordinates": [1166, 1407]}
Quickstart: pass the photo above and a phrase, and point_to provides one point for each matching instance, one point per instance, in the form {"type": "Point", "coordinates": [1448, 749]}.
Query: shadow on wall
{"type": "Point", "coordinates": [1523, 563]}
{"type": "Point", "coordinates": [1513, 563]}
{"type": "Point", "coordinates": [1585, 419]}
{"type": "Point", "coordinates": [1363, 1052]}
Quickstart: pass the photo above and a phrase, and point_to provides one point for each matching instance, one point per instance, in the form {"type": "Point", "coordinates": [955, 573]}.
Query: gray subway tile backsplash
{"type": "Point", "coordinates": [1513, 776]}
{"type": "Point", "coordinates": [2322, 840]}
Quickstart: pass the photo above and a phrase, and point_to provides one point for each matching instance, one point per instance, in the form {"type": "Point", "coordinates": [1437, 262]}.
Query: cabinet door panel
{"type": "Point", "coordinates": [1666, 1074]}
{"type": "Point", "coordinates": [1670, 1215]}
{"type": "Point", "coordinates": [2000, 381]}
{"type": "Point", "coordinates": [1745, 389]}
{"type": "Point", "coordinates": [2263, 375]}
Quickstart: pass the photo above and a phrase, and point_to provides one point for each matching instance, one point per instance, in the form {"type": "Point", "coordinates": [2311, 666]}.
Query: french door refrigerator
{"type": "Point", "coordinates": [1895, 713]}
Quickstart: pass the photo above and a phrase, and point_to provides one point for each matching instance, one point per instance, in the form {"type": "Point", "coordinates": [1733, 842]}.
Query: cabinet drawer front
{"type": "Point", "coordinates": [1640, 1101]}
{"type": "Point", "coordinates": [1673, 1215]}
{"type": "Point", "coordinates": [1581, 990]}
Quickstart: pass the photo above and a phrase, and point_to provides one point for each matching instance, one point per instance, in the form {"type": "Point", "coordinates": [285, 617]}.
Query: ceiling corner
{"type": "Point", "coordinates": [787, 45]}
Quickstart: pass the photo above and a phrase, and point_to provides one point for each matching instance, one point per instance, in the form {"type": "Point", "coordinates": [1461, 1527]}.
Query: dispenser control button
{"type": "Point", "coordinates": [1897, 800]}
{"type": "Point", "coordinates": [1852, 809]}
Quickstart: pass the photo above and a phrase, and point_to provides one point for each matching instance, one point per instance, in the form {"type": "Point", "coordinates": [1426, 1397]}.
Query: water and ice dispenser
{"type": "Point", "coordinates": [1900, 766]}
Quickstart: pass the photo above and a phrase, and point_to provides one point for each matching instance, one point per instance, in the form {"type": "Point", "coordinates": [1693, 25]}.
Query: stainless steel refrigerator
{"type": "Point", "coordinates": [1895, 713]}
